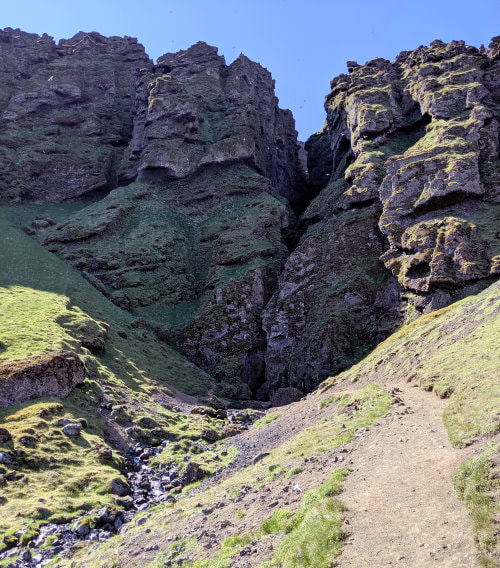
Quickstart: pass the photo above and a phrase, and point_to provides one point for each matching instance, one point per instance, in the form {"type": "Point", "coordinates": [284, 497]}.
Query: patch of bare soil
{"type": "Point", "coordinates": [402, 508]}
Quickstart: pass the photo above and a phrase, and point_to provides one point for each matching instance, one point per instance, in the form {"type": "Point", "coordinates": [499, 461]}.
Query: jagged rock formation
{"type": "Point", "coordinates": [266, 276]}
{"type": "Point", "coordinates": [410, 146]}
{"type": "Point", "coordinates": [195, 241]}
{"type": "Point", "coordinates": [65, 113]}
{"type": "Point", "coordinates": [53, 374]}
{"type": "Point", "coordinates": [195, 111]}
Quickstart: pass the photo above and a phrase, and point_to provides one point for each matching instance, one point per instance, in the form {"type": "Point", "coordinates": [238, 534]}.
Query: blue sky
{"type": "Point", "coordinates": [304, 43]}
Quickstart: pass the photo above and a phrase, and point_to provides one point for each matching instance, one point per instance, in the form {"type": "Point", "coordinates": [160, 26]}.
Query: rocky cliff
{"type": "Point", "coordinates": [66, 113]}
{"type": "Point", "coordinates": [406, 217]}
{"type": "Point", "coordinates": [169, 270]}
{"type": "Point", "coordinates": [203, 222]}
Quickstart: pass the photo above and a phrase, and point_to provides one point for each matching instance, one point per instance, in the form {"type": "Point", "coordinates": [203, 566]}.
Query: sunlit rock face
{"type": "Point", "coordinates": [202, 220]}
{"type": "Point", "coordinates": [405, 222]}
{"type": "Point", "coordinates": [194, 111]}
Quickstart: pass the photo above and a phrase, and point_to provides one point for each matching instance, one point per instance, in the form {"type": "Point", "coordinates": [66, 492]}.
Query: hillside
{"type": "Point", "coordinates": [217, 353]}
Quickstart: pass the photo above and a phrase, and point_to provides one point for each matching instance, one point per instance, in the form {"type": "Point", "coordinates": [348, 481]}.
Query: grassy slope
{"type": "Point", "coordinates": [318, 516]}
{"type": "Point", "coordinates": [44, 306]}
{"type": "Point", "coordinates": [451, 351]}
{"type": "Point", "coordinates": [454, 353]}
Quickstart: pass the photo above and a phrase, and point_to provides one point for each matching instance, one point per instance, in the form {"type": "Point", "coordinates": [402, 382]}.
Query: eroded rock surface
{"type": "Point", "coordinates": [52, 374]}
{"type": "Point", "coordinates": [194, 111]}
{"type": "Point", "coordinates": [66, 113]}
{"type": "Point", "coordinates": [266, 276]}
{"type": "Point", "coordinates": [408, 162]}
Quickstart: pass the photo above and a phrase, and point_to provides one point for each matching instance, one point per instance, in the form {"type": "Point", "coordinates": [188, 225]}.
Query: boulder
{"type": "Point", "coordinates": [193, 472]}
{"type": "Point", "coordinates": [50, 374]}
{"type": "Point", "coordinates": [5, 436]}
{"type": "Point", "coordinates": [119, 487]}
{"type": "Point", "coordinates": [72, 429]}
{"type": "Point", "coordinates": [209, 435]}
{"type": "Point", "coordinates": [285, 395]}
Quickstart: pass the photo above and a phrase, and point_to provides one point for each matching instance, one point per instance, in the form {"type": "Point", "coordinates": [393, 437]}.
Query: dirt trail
{"type": "Point", "coordinates": [402, 508]}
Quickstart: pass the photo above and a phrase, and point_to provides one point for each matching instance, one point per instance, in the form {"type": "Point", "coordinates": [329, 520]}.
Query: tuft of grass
{"type": "Point", "coordinates": [280, 520]}
{"type": "Point", "coordinates": [294, 471]}
{"type": "Point", "coordinates": [266, 420]}
{"type": "Point", "coordinates": [313, 535]}
{"type": "Point", "coordinates": [325, 403]}
{"type": "Point", "coordinates": [477, 485]}
{"type": "Point", "coordinates": [231, 546]}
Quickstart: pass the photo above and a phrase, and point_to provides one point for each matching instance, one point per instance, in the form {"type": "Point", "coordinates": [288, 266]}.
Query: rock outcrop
{"type": "Point", "coordinates": [66, 113]}
{"type": "Point", "coordinates": [51, 374]}
{"type": "Point", "coordinates": [410, 154]}
{"type": "Point", "coordinates": [196, 240]}
{"type": "Point", "coordinates": [195, 111]}
{"type": "Point", "coordinates": [266, 276]}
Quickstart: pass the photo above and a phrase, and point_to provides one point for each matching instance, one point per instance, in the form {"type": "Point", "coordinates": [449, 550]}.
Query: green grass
{"type": "Point", "coordinates": [266, 420]}
{"type": "Point", "coordinates": [66, 476]}
{"type": "Point", "coordinates": [372, 402]}
{"type": "Point", "coordinates": [280, 520]}
{"type": "Point", "coordinates": [217, 456]}
{"type": "Point", "coordinates": [231, 546]}
{"type": "Point", "coordinates": [451, 352]}
{"type": "Point", "coordinates": [479, 487]}
{"type": "Point", "coordinates": [45, 305]}
{"type": "Point", "coordinates": [294, 471]}
{"type": "Point", "coordinates": [313, 535]}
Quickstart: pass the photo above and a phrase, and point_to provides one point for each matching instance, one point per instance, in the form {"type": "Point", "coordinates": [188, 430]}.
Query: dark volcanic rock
{"type": "Point", "coordinates": [194, 111]}
{"type": "Point", "coordinates": [213, 236]}
{"type": "Point", "coordinates": [66, 113]}
{"type": "Point", "coordinates": [408, 162]}
{"type": "Point", "coordinates": [52, 374]}
{"type": "Point", "coordinates": [199, 235]}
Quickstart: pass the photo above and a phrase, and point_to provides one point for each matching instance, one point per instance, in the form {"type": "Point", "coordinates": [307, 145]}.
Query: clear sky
{"type": "Point", "coordinates": [304, 43]}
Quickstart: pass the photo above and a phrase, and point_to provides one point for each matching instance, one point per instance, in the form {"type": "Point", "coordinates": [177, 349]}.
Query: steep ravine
{"type": "Point", "coordinates": [164, 242]}
{"type": "Point", "coordinates": [397, 216]}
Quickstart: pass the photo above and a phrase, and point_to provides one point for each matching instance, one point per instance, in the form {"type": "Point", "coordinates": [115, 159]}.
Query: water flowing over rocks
{"type": "Point", "coordinates": [145, 485]}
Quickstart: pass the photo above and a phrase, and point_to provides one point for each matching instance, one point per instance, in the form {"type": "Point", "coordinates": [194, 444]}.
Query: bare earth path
{"type": "Point", "coordinates": [402, 508]}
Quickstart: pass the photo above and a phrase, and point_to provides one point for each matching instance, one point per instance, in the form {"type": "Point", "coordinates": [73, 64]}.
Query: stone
{"type": "Point", "coordinates": [72, 429]}
{"type": "Point", "coordinates": [259, 457]}
{"type": "Point", "coordinates": [193, 472]}
{"type": "Point", "coordinates": [25, 556]}
{"type": "Point", "coordinates": [5, 436]}
{"type": "Point", "coordinates": [209, 435]}
{"type": "Point", "coordinates": [6, 458]}
{"type": "Point", "coordinates": [142, 520]}
{"type": "Point", "coordinates": [119, 487]}
{"type": "Point", "coordinates": [52, 374]}
{"type": "Point", "coordinates": [286, 395]}
{"type": "Point", "coordinates": [82, 528]}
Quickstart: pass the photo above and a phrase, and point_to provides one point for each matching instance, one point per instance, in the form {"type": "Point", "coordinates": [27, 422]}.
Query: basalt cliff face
{"type": "Point", "coordinates": [202, 220]}
{"type": "Point", "coordinates": [406, 218]}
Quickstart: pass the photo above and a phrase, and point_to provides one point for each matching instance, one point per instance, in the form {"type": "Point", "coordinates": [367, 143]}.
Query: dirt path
{"type": "Point", "coordinates": [402, 509]}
